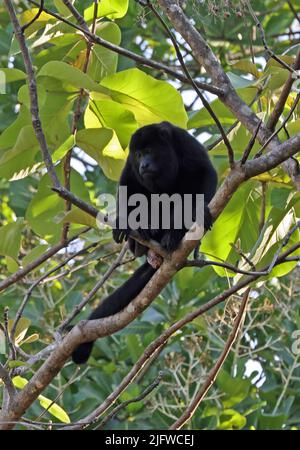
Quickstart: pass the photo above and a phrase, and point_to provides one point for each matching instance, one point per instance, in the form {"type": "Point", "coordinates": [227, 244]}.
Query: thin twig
{"type": "Point", "coordinates": [267, 48]}
{"type": "Point", "coordinates": [250, 145]}
{"type": "Point", "coordinates": [4, 375]}
{"type": "Point", "coordinates": [17, 276]}
{"type": "Point", "coordinates": [94, 290]}
{"type": "Point", "coordinates": [156, 345]}
{"type": "Point", "coordinates": [259, 153]}
{"type": "Point", "coordinates": [192, 407]}
{"type": "Point", "coordinates": [10, 343]}
{"type": "Point", "coordinates": [124, 404]}
{"type": "Point", "coordinates": [40, 10]}
{"type": "Point", "coordinates": [285, 91]}
{"type": "Point", "coordinates": [292, 8]}
{"type": "Point", "coordinates": [39, 280]}
{"type": "Point", "coordinates": [76, 14]}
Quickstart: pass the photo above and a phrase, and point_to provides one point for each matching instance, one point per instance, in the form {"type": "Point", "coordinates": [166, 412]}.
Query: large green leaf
{"type": "Point", "coordinates": [103, 145]}
{"type": "Point", "coordinates": [150, 100]}
{"type": "Point", "coordinates": [110, 114]}
{"type": "Point", "coordinates": [217, 242]}
{"type": "Point", "coordinates": [113, 9]}
{"type": "Point", "coordinates": [69, 75]}
{"type": "Point", "coordinates": [54, 110]}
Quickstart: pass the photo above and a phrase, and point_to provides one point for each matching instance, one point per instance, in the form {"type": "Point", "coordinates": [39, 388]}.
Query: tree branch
{"type": "Point", "coordinates": [280, 104]}
{"type": "Point", "coordinates": [191, 409]}
{"type": "Point", "coordinates": [17, 276]}
{"type": "Point", "coordinates": [206, 58]}
{"type": "Point", "coordinates": [32, 93]}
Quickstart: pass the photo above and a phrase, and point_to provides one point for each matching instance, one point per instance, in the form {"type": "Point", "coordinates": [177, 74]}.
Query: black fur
{"type": "Point", "coordinates": [163, 158]}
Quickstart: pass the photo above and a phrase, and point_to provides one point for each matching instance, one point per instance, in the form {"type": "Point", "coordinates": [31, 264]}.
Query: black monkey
{"type": "Point", "coordinates": [162, 159]}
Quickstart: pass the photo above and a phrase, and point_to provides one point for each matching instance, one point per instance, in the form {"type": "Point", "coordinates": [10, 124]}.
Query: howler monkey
{"type": "Point", "coordinates": [163, 159]}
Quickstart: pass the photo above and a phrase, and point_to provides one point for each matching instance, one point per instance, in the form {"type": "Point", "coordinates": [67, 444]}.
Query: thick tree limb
{"type": "Point", "coordinates": [93, 329]}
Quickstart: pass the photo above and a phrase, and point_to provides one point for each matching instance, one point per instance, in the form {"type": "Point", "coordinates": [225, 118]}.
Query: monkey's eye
{"type": "Point", "coordinates": [138, 154]}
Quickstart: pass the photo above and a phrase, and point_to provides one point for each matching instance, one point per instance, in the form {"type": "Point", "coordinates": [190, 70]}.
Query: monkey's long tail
{"type": "Point", "coordinates": [115, 303]}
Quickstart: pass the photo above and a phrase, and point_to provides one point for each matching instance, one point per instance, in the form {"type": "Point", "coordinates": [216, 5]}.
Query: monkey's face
{"type": "Point", "coordinates": [154, 159]}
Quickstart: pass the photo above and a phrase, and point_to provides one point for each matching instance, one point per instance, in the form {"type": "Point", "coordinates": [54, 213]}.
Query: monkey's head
{"type": "Point", "coordinates": [154, 158]}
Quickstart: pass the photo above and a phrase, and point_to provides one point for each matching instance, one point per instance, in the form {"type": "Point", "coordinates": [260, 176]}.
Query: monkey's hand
{"type": "Point", "coordinates": [120, 235]}
{"type": "Point", "coordinates": [208, 220]}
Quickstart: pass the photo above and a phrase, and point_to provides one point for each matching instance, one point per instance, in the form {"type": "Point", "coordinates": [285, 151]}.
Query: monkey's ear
{"type": "Point", "coordinates": [165, 130]}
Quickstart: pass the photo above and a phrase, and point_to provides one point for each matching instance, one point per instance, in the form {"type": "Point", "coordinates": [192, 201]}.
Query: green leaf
{"type": "Point", "coordinates": [12, 75]}
{"type": "Point", "coordinates": [8, 137]}
{"type": "Point", "coordinates": [39, 22]}
{"type": "Point", "coordinates": [245, 65]}
{"type": "Point", "coordinates": [113, 9]}
{"type": "Point", "coordinates": [19, 161]}
{"type": "Point", "coordinates": [14, 363]}
{"type": "Point", "coordinates": [236, 389]}
{"type": "Point", "coordinates": [32, 338]}
{"type": "Point", "coordinates": [21, 328]}
{"type": "Point", "coordinates": [202, 118]}
{"type": "Point", "coordinates": [10, 239]}
{"type": "Point", "coordinates": [231, 420]}
{"type": "Point", "coordinates": [149, 99]}
{"type": "Point", "coordinates": [19, 382]}
{"type": "Point", "coordinates": [239, 138]}
{"type": "Point", "coordinates": [103, 62]}
{"type": "Point", "coordinates": [217, 243]}
{"type": "Point", "coordinates": [62, 9]}
{"type": "Point", "coordinates": [55, 410]}
{"type": "Point", "coordinates": [63, 149]}
{"type": "Point", "coordinates": [103, 145]}
{"type": "Point", "coordinates": [110, 114]}
{"type": "Point", "coordinates": [11, 264]}
{"type": "Point", "coordinates": [69, 75]}
{"type": "Point", "coordinates": [76, 215]}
